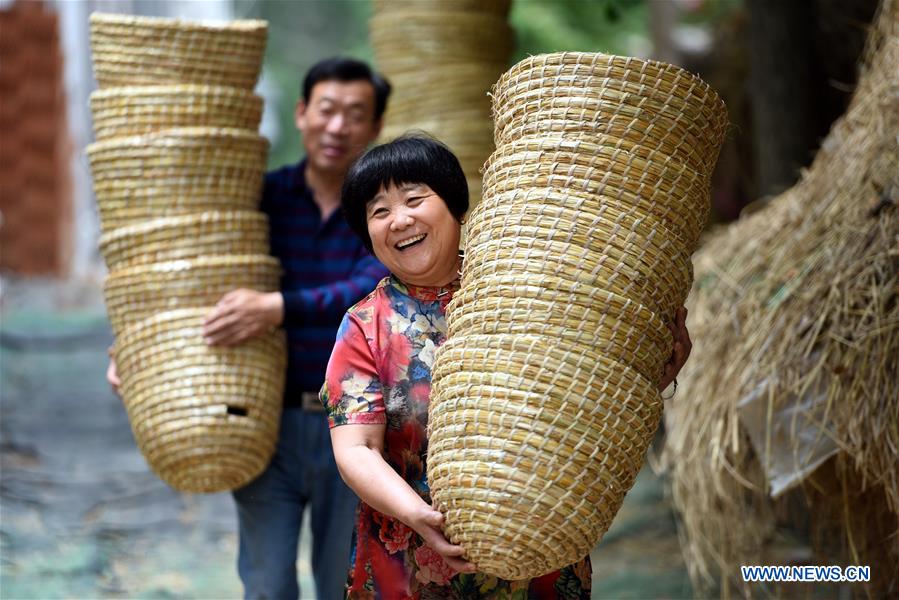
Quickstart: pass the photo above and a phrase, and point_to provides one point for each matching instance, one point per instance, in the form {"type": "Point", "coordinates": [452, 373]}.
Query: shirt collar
{"type": "Point", "coordinates": [427, 293]}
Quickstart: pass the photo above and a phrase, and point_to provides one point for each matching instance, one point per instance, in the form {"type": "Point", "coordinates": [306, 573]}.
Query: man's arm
{"type": "Point", "coordinates": [244, 314]}
{"type": "Point", "coordinates": [331, 301]}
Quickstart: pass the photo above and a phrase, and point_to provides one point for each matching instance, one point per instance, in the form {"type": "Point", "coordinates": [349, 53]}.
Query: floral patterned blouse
{"type": "Point", "coordinates": [380, 373]}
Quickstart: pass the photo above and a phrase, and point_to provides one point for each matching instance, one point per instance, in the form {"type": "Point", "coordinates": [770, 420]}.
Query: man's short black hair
{"type": "Point", "coordinates": [347, 69]}
{"type": "Point", "coordinates": [414, 158]}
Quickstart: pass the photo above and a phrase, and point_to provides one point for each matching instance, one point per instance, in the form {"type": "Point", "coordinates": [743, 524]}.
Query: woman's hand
{"type": "Point", "coordinates": [428, 523]}
{"type": "Point", "coordinates": [682, 347]}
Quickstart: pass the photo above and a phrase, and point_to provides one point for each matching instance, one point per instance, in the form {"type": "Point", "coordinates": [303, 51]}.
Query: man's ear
{"type": "Point", "coordinates": [299, 115]}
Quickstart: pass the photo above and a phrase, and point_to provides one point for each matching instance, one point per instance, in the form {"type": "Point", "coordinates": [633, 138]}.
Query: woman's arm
{"type": "Point", "coordinates": [358, 451]}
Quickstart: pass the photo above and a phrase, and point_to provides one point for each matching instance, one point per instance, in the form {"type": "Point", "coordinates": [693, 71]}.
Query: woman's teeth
{"type": "Point", "coordinates": [412, 240]}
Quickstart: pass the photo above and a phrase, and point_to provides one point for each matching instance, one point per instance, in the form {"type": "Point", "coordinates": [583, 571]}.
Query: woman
{"type": "Point", "coordinates": [406, 200]}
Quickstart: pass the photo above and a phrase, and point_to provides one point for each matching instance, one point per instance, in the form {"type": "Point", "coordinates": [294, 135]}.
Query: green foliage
{"type": "Point", "coordinates": [613, 26]}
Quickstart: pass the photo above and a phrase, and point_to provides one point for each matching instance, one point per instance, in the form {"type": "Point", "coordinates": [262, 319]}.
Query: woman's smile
{"type": "Point", "coordinates": [410, 242]}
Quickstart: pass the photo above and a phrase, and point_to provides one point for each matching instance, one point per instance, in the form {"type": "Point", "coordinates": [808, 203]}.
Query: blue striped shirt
{"type": "Point", "coordinates": [327, 269]}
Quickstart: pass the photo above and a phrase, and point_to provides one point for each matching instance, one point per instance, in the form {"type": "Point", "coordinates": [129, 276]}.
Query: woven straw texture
{"type": "Point", "coordinates": [545, 396]}
{"type": "Point", "coordinates": [175, 172]}
{"type": "Point", "coordinates": [127, 111]}
{"type": "Point", "coordinates": [130, 50]}
{"type": "Point", "coordinates": [442, 59]}
{"type": "Point", "coordinates": [135, 293]}
{"type": "Point", "coordinates": [185, 237]}
{"type": "Point", "coordinates": [206, 419]}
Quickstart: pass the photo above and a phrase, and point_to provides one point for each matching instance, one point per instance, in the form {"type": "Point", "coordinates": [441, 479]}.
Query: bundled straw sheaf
{"type": "Point", "coordinates": [177, 172]}
{"type": "Point", "coordinates": [442, 59]}
{"type": "Point", "coordinates": [796, 307]}
{"type": "Point", "coordinates": [545, 396]}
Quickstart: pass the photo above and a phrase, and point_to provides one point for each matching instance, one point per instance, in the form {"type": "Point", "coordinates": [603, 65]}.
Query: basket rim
{"type": "Point", "coordinates": [158, 137]}
{"type": "Point", "coordinates": [101, 19]}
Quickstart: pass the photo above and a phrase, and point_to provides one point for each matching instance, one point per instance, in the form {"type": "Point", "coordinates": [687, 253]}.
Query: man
{"type": "Point", "coordinates": [326, 270]}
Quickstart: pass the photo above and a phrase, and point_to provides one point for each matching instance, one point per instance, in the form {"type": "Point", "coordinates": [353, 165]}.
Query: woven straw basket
{"type": "Point", "coordinates": [176, 171]}
{"type": "Point", "coordinates": [442, 58]}
{"type": "Point", "coordinates": [129, 50]}
{"type": "Point", "coordinates": [544, 397]}
{"type": "Point", "coordinates": [127, 111]}
{"type": "Point", "coordinates": [185, 237]}
{"type": "Point", "coordinates": [205, 418]}
{"type": "Point", "coordinates": [138, 292]}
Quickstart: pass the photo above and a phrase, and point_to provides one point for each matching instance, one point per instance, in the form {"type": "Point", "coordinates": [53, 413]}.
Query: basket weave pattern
{"type": "Point", "coordinates": [177, 172]}
{"type": "Point", "coordinates": [185, 400]}
{"type": "Point", "coordinates": [442, 59]}
{"type": "Point", "coordinates": [126, 111]}
{"type": "Point", "coordinates": [131, 50]}
{"type": "Point", "coordinates": [544, 397]}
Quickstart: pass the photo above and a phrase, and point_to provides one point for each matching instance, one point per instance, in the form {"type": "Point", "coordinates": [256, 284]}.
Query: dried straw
{"type": "Point", "coordinates": [801, 296]}
{"type": "Point", "coordinates": [205, 418]}
{"type": "Point", "coordinates": [544, 399]}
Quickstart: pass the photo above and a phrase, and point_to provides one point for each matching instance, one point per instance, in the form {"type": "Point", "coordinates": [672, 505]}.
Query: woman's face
{"type": "Point", "coordinates": [414, 234]}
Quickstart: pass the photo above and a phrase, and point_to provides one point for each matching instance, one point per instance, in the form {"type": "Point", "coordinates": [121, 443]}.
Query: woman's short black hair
{"type": "Point", "coordinates": [411, 158]}
{"type": "Point", "coordinates": [347, 69]}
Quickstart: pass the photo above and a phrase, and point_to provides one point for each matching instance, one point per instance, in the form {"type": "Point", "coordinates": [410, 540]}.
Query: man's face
{"type": "Point", "coordinates": [337, 124]}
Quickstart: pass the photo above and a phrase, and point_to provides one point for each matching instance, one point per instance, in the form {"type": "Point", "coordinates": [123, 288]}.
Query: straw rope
{"type": "Point", "coordinates": [543, 399]}
{"type": "Point", "coordinates": [137, 292]}
{"type": "Point", "coordinates": [205, 418]}
{"type": "Point", "coordinates": [130, 50]}
{"type": "Point", "coordinates": [184, 237]}
{"type": "Point", "coordinates": [127, 111]}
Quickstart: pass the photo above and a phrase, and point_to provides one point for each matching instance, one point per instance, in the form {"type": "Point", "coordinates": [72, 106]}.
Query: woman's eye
{"type": "Point", "coordinates": [414, 200]}
{"type": "Point", "coordinates": [379, 212]}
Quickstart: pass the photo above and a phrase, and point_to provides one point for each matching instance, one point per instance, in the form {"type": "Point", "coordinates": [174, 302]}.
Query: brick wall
{"type": "Point", "coordinates": [35, 185]}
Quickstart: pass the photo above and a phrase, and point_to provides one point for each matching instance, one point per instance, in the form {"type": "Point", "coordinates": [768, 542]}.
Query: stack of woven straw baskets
{"type": "Point", "coordinates": [177, 173]}
{"type": "Point", "coordinates": [545, 395]}
{"type": "Point", "coordinates": [442, 58]}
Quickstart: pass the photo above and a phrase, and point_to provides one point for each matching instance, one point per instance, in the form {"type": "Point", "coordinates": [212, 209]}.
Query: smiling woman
{"type": "Point", "coordinates": [406, 200]}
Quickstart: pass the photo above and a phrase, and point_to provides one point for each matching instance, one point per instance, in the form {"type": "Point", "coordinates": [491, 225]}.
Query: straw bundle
{"type": "Point", "coordinates": [129, 50]}
{"type": "Point", "coordinates": [202, 416]}
{"type": "Point", "coordinates": [177, 174]}
{"type": "Point", "coordinates": [442, 58]}
{"type": "Point", "coordinates": [127, 111]}
{"type": "Point", "coordinates": [545, 396]}
{"type": "Point", "coordinates": [796, 307]}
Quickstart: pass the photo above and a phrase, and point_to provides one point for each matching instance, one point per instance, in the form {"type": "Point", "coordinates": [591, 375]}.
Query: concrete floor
{"type": "Point", "coordinates": [81, 515]}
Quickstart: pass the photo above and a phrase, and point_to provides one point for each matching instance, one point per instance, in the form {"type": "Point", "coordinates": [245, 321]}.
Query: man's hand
{"type": "Point", "coordinates": [112, 373]}
{"type": "Point", "coordinates": [241, 315]}
{"type": "Point", "coordinates": [682, 347]}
